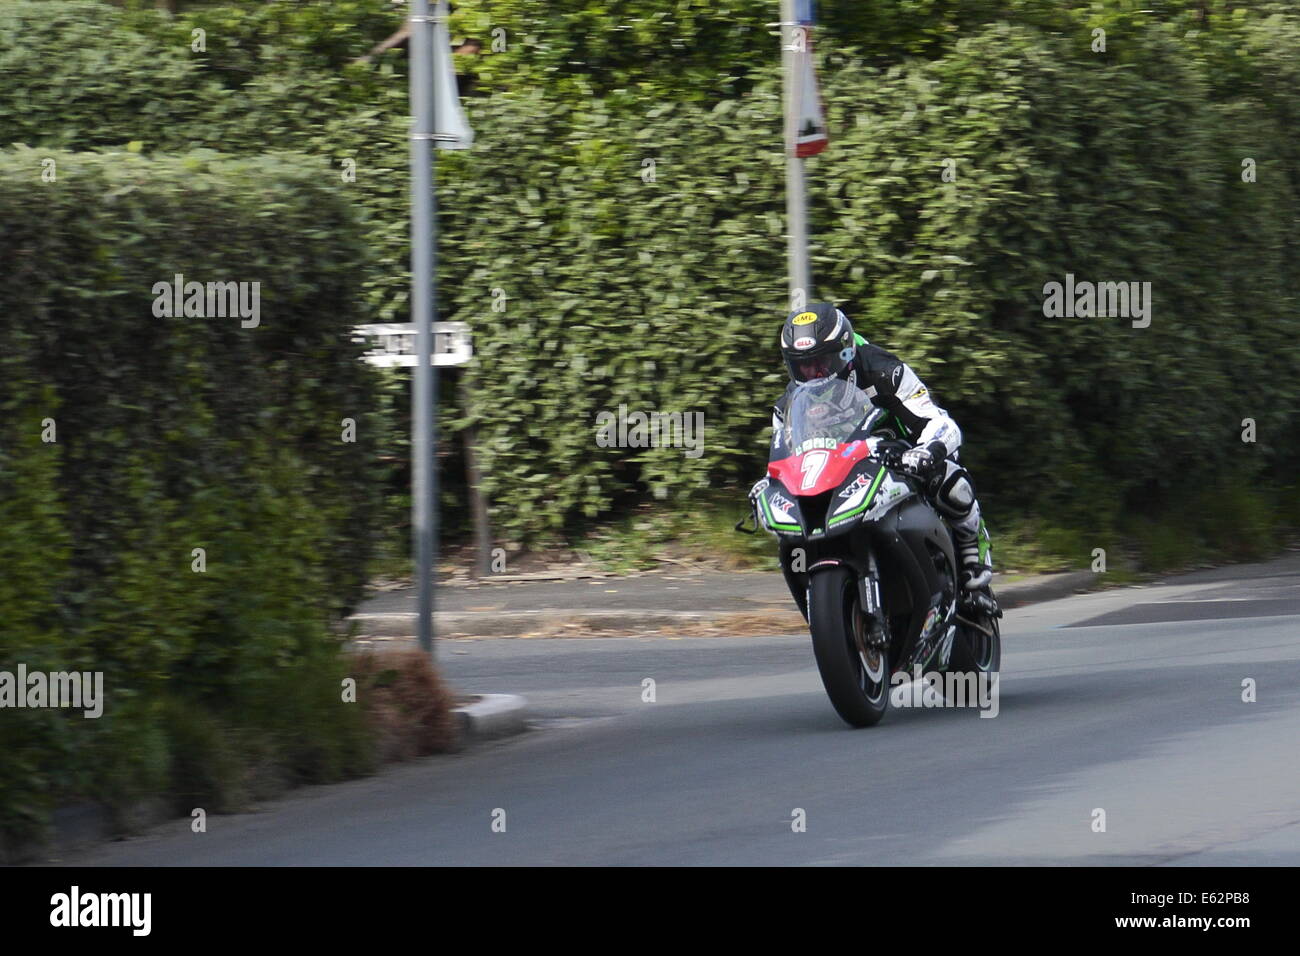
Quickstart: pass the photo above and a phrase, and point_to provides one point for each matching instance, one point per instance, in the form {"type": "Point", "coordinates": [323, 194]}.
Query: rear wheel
{"type": "Point", "coordinates": [977, 646]}
{"type": "Point", "coordinates": [854, 672]}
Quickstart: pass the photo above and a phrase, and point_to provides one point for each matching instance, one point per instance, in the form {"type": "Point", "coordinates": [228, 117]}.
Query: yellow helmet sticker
{"type": "Point", "coordinates": [804, 318]}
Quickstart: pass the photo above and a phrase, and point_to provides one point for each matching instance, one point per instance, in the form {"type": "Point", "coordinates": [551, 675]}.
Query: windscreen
{"type": "Point", "coordinates": [824, 413]}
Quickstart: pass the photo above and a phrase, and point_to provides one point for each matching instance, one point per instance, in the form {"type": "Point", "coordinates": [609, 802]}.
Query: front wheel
{"type": "Point", "coordinates": [854, 672]}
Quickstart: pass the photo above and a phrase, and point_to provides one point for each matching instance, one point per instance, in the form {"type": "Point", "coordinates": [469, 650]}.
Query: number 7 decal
{"type": "Point", "coordinates": [813, 464]}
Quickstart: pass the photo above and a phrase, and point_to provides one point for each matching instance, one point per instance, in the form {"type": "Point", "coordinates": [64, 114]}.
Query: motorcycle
{"type": "Point", "coordinates": [873, 561]}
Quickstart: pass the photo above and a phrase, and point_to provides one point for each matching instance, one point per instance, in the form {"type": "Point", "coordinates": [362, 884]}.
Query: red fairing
{"type": "Point", "coordinates": [818, 470]}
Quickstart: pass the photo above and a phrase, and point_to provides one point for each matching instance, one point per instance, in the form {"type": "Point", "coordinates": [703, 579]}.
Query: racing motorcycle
{"type": "Point", "coordinates": [873, 560]}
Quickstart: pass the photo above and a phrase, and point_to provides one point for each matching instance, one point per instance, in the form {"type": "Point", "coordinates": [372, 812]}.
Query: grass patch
{"type": "Point", "coordinates": [699, 531]}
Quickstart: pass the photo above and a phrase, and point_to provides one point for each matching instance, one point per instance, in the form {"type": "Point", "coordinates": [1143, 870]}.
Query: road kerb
{"type": "Point", "coordinates": [489, 716]}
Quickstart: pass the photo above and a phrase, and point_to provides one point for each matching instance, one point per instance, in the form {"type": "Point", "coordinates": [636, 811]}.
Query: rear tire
{"type": "Point", "coordinates": [856, 677]}
{"type": "Point", "coordinates": [974, 651]}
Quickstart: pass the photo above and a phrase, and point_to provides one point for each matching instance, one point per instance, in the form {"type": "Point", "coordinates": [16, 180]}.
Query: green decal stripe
{"type": "Point", "coordinates": [866, 502]}
{"type": "Point", "coordinates": [771, 518]}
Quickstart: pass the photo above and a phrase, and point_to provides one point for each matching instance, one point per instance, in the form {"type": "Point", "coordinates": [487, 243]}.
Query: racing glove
{"type": "Point", "coordinates": [924, 461]}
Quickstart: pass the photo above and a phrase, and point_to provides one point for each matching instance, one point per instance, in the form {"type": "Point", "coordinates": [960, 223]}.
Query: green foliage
{"type": "Point", "coordinates": [243, 39]}
{"type": "Point", "coordinates": [72, 74]}
{"type": "Point", "coordinates": [34, 553]}
{"type": "Point", "coordinates": [1233, 519]}
{"type": "Point", "coordinates": [699, 530]}
{"type": "Point", "coordinates": [699, 50]}
{"type": "Point", "coordinates": [174, 433]}
{"type": "Point", "coordinates": [665, 295]}
{"type": "Point", "coordinates": [1121, 166]}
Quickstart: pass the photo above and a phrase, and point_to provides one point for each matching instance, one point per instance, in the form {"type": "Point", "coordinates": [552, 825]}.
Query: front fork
{"type": "Point", "coordinates": [873, 608]}
{"type": "Point", "coordinates": [869, 599]}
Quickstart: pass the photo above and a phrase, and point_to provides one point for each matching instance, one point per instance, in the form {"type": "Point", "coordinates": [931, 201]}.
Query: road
{"type": "Point", "coordinates": [1127, 701]}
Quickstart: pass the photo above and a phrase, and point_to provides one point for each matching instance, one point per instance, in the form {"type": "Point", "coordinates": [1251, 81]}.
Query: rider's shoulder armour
{"type": "Point", "coordinates": [880, 369]}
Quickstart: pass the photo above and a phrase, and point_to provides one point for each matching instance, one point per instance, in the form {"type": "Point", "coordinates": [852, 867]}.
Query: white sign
{"type": "Point", "coordinates": [395, 343]}
{"type": "Point", "coordinates": [452, 131]}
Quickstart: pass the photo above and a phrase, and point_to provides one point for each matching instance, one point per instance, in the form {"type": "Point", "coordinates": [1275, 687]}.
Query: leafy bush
{"type": "Point", "coordinates": [664, 294]}
{"type": "Point", "coordinates": [1057, 172]}
{"type": "Point", "coordinates": [169, 433]}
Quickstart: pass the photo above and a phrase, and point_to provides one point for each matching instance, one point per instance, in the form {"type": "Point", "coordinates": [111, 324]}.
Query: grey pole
{"type": "Point", "coordinates": [424, 480]}
{"type": "Point", "coordinates": [796, 208]}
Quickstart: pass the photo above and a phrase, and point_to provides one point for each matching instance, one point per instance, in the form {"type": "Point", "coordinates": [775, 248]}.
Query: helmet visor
{"type": "Point", "coordinates": [805, 368]}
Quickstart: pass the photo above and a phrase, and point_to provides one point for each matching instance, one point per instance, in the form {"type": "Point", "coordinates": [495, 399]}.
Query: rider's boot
{"type": "Point", "coordinates": [974, 552]}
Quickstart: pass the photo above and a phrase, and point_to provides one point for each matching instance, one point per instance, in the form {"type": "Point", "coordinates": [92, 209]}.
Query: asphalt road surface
{"type": "Point", "coordinates": [1128, 701]}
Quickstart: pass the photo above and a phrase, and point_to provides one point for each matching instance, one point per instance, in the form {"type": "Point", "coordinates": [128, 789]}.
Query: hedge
{"type": "Point", "coordinates": [130, 439]}
{"type": "Point", "coordinates": [667, 295]}
{"type": "Point", "coordinates": [1115, 166]}
{"type": "Point", "coordinates": [1119, 166]}
{"type": "Point", "coordinates": [1068, 162]}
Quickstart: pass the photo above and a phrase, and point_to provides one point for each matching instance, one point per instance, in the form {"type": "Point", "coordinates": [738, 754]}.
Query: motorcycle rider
{"type": "Point", "coordinates": [819, 342]}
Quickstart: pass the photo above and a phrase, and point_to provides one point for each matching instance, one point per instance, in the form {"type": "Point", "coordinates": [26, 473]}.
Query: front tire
{"type": "Point", "coordinates": [855, 675]}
